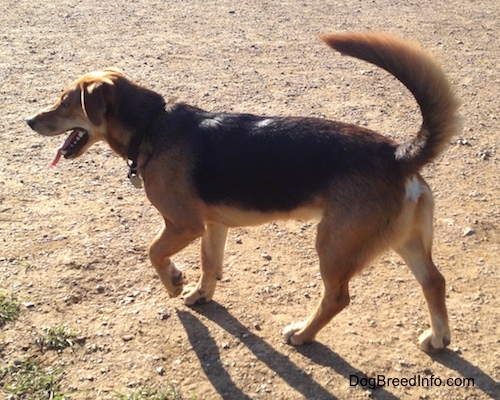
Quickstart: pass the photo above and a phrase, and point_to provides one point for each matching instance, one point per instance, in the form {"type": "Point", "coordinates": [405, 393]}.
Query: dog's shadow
{"type": "Point", "coordinates": [482, 380]}
{"type": "Point", "coordinates": [208, 353]}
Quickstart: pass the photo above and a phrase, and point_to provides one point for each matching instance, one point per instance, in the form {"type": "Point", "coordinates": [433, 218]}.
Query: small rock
{"type": "Point", "coordinates": [468, 232]}
{"type": "Point", "coordinates": [485, 155]}
{"type": "Point", "coordinates": [127, 300]}
{"type": "Point", "coordinates": [164, 314]}
{"type": "Point", "coordinates": [160, 371]}
{"type": "Point", "coordinates": [72, 298]}
{"type": "Point", "coordinates": [266, 256]}
{"type": "Point", "coordinates": [59, 238]}
{"type": "Point", "coordinates": [99, 289]}
{"type": "Point", "coordinates": [127, 338]}
{"type": "Point", "coordinates": [28, 304]}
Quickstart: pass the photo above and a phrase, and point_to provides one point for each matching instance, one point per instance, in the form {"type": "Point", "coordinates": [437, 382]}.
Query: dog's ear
{"type": "Point", "coordinates": [94, 102]}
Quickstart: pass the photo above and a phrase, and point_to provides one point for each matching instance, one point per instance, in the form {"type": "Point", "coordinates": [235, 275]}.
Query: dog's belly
{"type": "Point", "coordinates": [233, 216]}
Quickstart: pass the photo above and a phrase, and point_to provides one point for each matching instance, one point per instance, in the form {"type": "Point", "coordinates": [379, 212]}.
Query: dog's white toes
{"type": "Point", "coordinates": [430, 343]}
{"type": "Point", "coordinates": [289, 333]}
{"type": "Point", "coordinates": [193, 294]}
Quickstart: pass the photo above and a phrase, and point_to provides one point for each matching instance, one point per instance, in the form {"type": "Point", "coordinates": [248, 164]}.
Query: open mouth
{"type": "Point", "coordinates": [72, 145]}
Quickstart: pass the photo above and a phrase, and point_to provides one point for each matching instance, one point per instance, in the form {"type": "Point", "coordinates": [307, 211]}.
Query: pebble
{"type": "Point", "coordinates": [59, 238]}
{"type": "Point", "coordinates": [164, 314]}
{"type": "Point", "coordinates": [99, 289]}
{"type": "Point", "coordinates": [468, 232]}
{"type": "Point", "coordinates": [127, 338]}
{"type": "Point", "coordinates": [266, 256]}
{"type": "Point", "coordinates": [127, 300]}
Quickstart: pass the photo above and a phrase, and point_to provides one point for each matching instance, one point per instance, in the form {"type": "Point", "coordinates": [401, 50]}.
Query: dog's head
{"type": "Point", "coordinates": [102, 105]}
{"type": "Point", "coordinates": [81, 111]}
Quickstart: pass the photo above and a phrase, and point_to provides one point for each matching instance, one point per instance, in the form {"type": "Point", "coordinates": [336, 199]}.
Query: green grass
{"type": "Point", "coordinates": [56, 338]}
{"type": "Point", "coordinates": [28, 381]}
{"type": "Point", "coordinates": [171, 393]}
{"type": "Point", "coordinates": [9, 309]}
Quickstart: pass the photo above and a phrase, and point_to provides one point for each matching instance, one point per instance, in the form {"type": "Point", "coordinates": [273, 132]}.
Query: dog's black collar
{"type": "Point", "coordinates": [133, 150]}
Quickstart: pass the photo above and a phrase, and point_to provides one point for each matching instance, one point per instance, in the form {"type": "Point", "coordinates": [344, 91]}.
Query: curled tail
{"type": "Point", "coordinates": [420, 73]}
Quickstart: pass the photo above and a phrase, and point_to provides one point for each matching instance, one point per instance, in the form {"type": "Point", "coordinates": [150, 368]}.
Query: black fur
{"type": "Point", "coordinates": [274, 163]}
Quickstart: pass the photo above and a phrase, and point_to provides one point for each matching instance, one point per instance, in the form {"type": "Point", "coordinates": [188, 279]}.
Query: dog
{"type": "Point", "coordinates": [207, 172]}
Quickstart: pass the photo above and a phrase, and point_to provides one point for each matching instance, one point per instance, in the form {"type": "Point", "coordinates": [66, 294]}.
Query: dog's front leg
{"type": "Point", "coordinates": [169, 241]}
{"type": "Point", "coordinates": [212, 255]}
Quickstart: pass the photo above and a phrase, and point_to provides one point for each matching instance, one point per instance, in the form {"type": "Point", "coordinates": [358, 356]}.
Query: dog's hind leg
{"type": "Point", "coordinates": [341, 255]}
{"type": "Point", "coordinates": [212, 255]}
{"type": "Point", "coordinates": [416, 251]}
{"type": "Point", "coordinates": [168, 242]}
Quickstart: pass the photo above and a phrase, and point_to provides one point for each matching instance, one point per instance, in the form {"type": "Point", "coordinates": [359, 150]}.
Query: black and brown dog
{"type": "Point", "coordinates": [206, 172]}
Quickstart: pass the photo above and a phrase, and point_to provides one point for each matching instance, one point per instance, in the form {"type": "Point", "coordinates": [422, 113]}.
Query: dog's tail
{"type": "Point", "coordinates": [420, 73]}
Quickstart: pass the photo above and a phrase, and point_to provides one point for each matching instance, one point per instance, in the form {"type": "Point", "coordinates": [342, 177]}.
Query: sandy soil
{"type": "Point", "coordinates": [74, 237]}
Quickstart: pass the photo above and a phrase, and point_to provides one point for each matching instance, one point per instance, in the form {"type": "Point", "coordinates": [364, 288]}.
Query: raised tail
{"type": "Point", "coordinates": [421, 74]}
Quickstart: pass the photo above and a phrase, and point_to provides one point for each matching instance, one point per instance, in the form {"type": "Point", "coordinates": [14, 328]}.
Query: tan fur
{"type": "Point", "coordinates": [361, 213]}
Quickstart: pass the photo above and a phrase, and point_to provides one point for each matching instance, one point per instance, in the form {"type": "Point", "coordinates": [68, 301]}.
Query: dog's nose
{"type": "Point", "coordinates": [31, 122]}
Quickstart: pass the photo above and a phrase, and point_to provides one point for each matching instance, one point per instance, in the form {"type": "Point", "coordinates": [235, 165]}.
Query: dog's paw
{"type": "Point", "coordinates": [289, 333]}
{"type": "Point", "coordinates": [193, 294]}
{"type": "Point", "coordinates": [431, 343]}
{"type": "Point", "coordinates": [173, 279]}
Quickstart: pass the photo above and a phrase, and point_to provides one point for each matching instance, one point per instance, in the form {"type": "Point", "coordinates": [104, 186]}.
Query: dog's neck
{"type": "Point", "coordinates": [136, 141]}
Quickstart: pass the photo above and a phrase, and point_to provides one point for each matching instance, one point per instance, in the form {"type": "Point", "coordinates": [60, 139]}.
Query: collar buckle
{"type": "Point", "coordinates": [133, 175]}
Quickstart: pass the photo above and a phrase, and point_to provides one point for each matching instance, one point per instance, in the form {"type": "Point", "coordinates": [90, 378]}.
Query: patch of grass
{"type": "Point", "coordinates": [28, 381]}
{"type": "Point", "coordinates": [56, 338]}
{"type": "Point", "coordinates": [171, 393]}
{"type": "Point", "coordinates": [9, 308]}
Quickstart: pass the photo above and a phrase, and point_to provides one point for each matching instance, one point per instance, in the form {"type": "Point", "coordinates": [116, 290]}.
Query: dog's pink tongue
{"type": "Point", "coordinates": [57, 158]}
{"type": "Point", "coordinates": [65, 145]}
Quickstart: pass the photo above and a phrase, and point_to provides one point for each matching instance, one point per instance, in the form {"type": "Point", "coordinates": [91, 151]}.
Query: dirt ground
{"type": "Point", "coordinates": [74, 238]}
